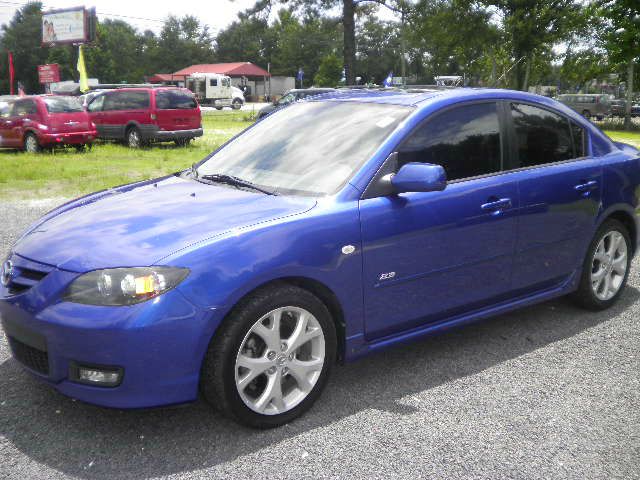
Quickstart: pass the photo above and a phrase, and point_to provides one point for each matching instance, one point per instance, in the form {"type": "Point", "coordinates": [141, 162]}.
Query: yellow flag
{"type": "Point", "coordinates": [84, 81]}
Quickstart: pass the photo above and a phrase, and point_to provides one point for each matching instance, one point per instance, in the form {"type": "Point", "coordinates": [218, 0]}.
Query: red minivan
{"type": "Point", "coordinates": [139, 116]}
{"type": "Point", "coordinates": [42, 121]}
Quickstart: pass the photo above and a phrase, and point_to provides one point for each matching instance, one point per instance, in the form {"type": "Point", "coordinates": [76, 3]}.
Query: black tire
{"type": "Point", "coordinates": [585, 297]}
{"type": "Point", "coordinates": [236, 104]}
{"type": "Point", "coordinates": [80, 148]}
{"type": "Point", "coordinates": [586, 114]}
{"type": "Point", "coordinates": [31, 144]}
{"type": "Point", "coordinates": [217, 380]}
{"type": "Point", "coordinates": [218, 108]}
{"type": "Point", "coordinates": [133, 138]}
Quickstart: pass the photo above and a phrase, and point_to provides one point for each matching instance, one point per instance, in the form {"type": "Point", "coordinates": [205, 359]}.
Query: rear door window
{"type": "Point", "coordinates": [25, 107]}
{"type": "Point", "coordinates": [175, 100]}
{"type": "Point", "coordinates": [464, 140]}
{"type": "Point", "coordinates": [541, 136]}
{"type": "Point", "coordinates": [126, 101]}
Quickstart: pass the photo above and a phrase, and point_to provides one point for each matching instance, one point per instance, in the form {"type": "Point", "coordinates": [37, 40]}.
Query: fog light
{"type": "Point", "coordinates": [96, 375]}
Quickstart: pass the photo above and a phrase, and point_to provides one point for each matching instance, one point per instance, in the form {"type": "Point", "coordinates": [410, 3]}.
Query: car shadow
{"type": "Point", "coordinates": [96, 443]}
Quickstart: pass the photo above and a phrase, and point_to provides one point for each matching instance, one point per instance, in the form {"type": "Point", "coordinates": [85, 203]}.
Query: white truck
{"type": "Point", "coordinates": [215, 89]}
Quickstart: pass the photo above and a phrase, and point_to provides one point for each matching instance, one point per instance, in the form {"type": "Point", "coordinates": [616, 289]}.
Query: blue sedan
{"type": "Point", "coordinates": [331, 229]}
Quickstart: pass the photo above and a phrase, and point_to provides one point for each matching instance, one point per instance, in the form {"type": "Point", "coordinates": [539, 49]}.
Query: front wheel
{"type": "Point", "coordinates": [271, 358]}
{"type": "Point", "coordinates": [236, 104]}
{"type": "Point", "coordinates": [586, 114]}
{"type": "Point", "coordinates": [133, 138]}
{"type": "Point", "coordinates": [605, 268]}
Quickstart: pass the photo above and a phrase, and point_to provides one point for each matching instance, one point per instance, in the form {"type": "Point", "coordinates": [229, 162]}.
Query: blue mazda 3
{"type": "Point", "coordinates": [332, 229]}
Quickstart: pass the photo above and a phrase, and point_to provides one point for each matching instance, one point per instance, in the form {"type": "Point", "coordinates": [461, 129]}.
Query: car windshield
{"type": "Point", "coordinates": [62, 105]}
{"type": "Point", "coordinates": [310, 148]}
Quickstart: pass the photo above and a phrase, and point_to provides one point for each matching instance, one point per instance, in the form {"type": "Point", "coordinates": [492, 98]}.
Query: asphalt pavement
{"type": "Point", "coordinates": [548, 392]}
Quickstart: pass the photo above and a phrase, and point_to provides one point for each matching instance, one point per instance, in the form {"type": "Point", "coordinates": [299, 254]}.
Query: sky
{"type": "Point", "coordinates": [148, 13]}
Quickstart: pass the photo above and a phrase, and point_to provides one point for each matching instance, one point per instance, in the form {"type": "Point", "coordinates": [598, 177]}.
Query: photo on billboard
{"type": "Point", "coordinates": [64, 26]}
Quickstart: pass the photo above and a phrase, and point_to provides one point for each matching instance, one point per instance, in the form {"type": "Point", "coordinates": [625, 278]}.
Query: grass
{"type": "Point", "coordinates": [632, 138]}
{"type": "Point", "coordinates": [67, 173]}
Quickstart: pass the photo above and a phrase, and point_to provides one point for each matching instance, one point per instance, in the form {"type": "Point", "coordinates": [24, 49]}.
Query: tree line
{"type": "Point", "coordinates": [503, 43]}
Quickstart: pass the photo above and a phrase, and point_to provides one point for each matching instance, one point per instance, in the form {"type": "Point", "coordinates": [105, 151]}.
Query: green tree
{"type": "Point", "coordinates": [620, 37]}
{"type": "Point", "coordinates": [531, 26]}
{"type": "Point", "coordinates": [22, 36]}
{"type": "Point", "coordinates": [329, 71]}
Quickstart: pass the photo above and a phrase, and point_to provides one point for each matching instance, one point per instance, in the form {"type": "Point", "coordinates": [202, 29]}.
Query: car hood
{"type": "Point", "coordinates": [141, 224]}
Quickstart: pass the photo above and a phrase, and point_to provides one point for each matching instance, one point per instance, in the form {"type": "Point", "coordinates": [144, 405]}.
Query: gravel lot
{"type": "Point", "coordinates": [546, 392]}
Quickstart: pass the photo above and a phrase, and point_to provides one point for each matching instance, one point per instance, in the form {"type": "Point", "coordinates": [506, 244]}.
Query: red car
{"type": "Point", "coordinates": [139, 116]}
{"type": "Point", "coordinates": [44, 121]}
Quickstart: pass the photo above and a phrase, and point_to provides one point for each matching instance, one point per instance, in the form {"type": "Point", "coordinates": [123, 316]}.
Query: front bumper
{"type": "Point", "coordinates": [159, 344]}
{"type": "Point", "coordinates": [75, 138]}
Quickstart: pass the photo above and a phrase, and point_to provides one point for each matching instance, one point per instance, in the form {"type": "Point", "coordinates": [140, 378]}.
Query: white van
{"type": "Point", "coordinates": [215, 89]}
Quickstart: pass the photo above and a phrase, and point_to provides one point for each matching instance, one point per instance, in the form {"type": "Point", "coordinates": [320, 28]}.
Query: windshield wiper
{"type": "Point", "coordinates": [231, 180]}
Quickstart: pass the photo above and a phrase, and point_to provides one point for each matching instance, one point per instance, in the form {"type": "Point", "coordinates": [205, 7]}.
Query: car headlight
{"type": "Point", "coordinates": [124, 286]}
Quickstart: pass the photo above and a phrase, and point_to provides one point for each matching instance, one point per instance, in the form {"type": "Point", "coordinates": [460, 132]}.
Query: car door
{"type": "Point", "coordinates": [6, 125]}
{"type": "Point", "coordinates": [560, 194]}
{"type": "Point", "coordinates": [428, 256]}
{"type": "Point", "coordinates": [95, 111]}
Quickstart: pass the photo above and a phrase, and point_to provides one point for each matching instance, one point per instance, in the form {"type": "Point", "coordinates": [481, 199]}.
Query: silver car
{"type": "Point", "coordinates": [589, 105]}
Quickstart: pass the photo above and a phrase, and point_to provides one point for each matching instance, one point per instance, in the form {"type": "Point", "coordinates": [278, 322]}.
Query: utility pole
{"type": "Point", "coordinates": [403, 46]}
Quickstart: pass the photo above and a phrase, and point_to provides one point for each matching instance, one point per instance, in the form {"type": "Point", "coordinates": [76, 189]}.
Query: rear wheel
{"type": "Point", "coordinates": [271, 358]}
{"type": "Point", "coordinates": [586, 114]}
{"type": "Point", "coordinates": [218, 108]}
{"type": "Point", "coordinates": [31, 144]}
{"type": "Point", "coordinates": [605, 268]}
{"type": "Point", "coordinates": [236, 104]}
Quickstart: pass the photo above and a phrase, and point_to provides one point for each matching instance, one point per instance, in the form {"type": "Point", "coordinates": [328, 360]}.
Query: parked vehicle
{"type": "Point", "coordinates": [588, 105]}
{"type": "Point", "coordinates": [215, 90]}
{"type": "Point", "coordinates": [618, 108]}
{"type": "Point", "coordinates": [139, 116]}
{"type": "Point", "coordinates": [380, 218]}
{"type": "Point", "coordinates": [44, 121]}
{"type": "Point", "coordinates": [292, 96]}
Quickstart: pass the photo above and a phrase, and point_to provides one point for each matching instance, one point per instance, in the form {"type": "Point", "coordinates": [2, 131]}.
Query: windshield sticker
{"type": "Point", "coordinates": [385, 122]}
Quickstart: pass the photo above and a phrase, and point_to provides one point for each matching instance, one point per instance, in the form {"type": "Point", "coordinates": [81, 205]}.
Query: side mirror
{"type": "Point", "coordinates": [419, 177]}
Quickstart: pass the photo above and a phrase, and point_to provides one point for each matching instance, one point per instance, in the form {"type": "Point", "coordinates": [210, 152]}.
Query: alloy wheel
{"type": "Point", "coordinates": [609, 265]}
{"type": "Point", "coordinates": [134, 139]}
{"type": "Point", "coordinates": [31, 144]}
{"type": "Point", "coordinates": [280, 360]}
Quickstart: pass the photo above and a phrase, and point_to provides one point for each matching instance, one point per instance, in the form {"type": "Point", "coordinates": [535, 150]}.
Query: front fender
{"type": "Point", "coordinates": [228, 267]}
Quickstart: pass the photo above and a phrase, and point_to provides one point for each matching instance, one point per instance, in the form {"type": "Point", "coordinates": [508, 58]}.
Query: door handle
{"type": "Point", "coordinates": [496, 205]}
{"type": "Point", "coordinates": [586, 186]}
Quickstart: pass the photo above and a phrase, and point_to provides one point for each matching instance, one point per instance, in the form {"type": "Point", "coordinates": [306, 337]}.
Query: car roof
{"type": "Point", "coordinates": [423, 96]}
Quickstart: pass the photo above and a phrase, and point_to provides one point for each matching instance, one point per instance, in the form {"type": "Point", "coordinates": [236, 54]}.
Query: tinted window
{"type": "Point", "coordinates": [62, 104]}
{"type": "Point", "coordinates": [541, 136]}
{"type": "Point", "coordinates": [25, 107]}
{"type": "Point", "coordinates": [330, 141]}
{"type": "Point", "coordinates": [465, 141]}
{"type": "Point", "coordinates": [96, 104]}
{"type": "Point", "coordinates": [174, 100]}
{"type": "Point", "coordinates": [127, 101]}
{"type": "Point", "coordinates": [579, 140]}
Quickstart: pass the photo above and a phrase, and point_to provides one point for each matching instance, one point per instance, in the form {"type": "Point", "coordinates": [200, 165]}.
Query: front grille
{"type": "Point", "coordinates": [27, 274]}
{"type": "Point", "coordinates": [30, 357]}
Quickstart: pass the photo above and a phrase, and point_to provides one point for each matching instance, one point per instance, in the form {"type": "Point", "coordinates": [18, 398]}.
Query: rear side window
{"type": "Point", "coordinates": [25, 107]}
{"type": "Point", "coordinates": [126, 101]}
{"type": "Point", "coordinates": [213, 82]}
{"type": "Point", "coordinates": [464, 140]}
{"type": "Point", "coordinates": [541, 136]}
{"type": "Point", "coordinates": [175, 100]}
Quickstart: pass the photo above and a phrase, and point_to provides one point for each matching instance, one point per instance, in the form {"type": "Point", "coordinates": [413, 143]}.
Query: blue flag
{"type": "Point", "coordinates": [387, 81]}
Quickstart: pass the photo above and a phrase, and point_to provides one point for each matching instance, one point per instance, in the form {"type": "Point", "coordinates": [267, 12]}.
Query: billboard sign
{"type": "Point", "coordinates": [49, 73]}
{"type": "Point", "coordinates": [70, 25]}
